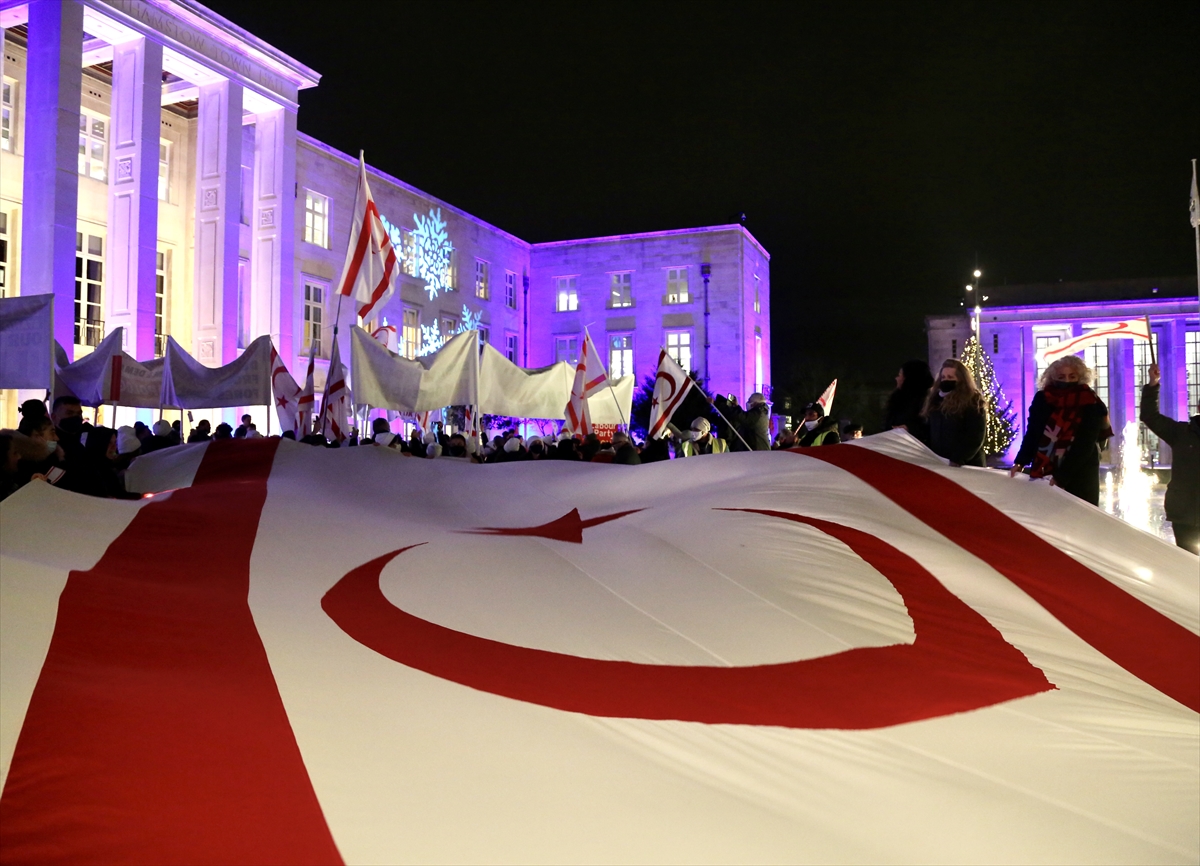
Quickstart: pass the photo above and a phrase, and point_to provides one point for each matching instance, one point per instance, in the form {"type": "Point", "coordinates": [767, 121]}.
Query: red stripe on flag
{"type": "Point", "coordinates": [1151, 646]}
{"type": "Point", "coordinates": [360, 250]}
{"type": "Point", "coordinates": [156, 733]}
{"type": "Point", "coordinates": [114, 382]}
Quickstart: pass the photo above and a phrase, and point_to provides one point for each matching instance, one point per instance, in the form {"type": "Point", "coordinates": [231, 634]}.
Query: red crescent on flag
{"type": "Point", "coordinates": [958, 662]}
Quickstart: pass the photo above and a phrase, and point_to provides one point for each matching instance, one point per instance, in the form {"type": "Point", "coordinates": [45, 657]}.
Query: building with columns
{"type": "Point", "coordinates": [1016, 321]}
{"type": "Point", "coordinates": [152, 177]}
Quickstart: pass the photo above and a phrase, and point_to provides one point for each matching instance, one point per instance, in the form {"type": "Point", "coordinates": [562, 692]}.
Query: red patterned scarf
{"type": "Point", "coordinates": [1067, 403]}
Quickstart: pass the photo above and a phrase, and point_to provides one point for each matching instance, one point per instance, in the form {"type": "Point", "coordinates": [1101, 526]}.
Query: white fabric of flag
{"type": "Point", "coordinates": [671, 386]}
{"type": "Point", "coordinates": [447, 377]}
{"type": "Point", "coordinates": [287, 395]}
{"type": "Point", "coordinates": [372, 268]}
{"type": "Point", "coordinates": [1194, 201]}
{"type": "Point", "coordinates": [1131, 329]}
{"type": "Point", "coordinates": [517, 392]}
{"type": "Point", "coordinates": [244, 381]}
{"type": "Point", "coordinates": [826, 398]}
{"type": "Point", "coordinates": [27, 342]}
{"type": "Point", "coordinates": [306, 399]}
{"type": "Point", "coordinates": [836, 563]}
{"type": "Point", "coordinates": [336, 400]}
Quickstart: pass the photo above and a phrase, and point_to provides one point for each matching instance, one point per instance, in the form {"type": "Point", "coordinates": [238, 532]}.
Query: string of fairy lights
{"type": "Point", "coordinates": [1001, 417]}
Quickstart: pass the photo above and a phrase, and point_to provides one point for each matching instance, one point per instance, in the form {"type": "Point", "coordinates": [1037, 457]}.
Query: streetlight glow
{"type": "Point", "coordinates": [978, 274]}
{"type": "Point", "coordinates": [970, 288]}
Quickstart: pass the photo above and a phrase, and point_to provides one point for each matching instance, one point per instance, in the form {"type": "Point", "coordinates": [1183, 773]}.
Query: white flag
{"type": "Point", "coordinates": [671, 386]}
{"type": "Point", "coordinates": [1130, 329]}
{"type": "Point", "coordinates": [1194, 202]}
{"type": "Point", "coordinates": [826, 399]}
{"type": "Point", "coordinates": [287, 395]}
{"type": "Point", "coordinates": [335, 404]}
{"type": "Point", "coordinates": [372, 267]}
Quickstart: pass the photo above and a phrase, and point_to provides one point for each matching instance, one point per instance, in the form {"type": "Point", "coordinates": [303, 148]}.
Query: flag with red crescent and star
{"type": "Point", "coordinates": [849, 654]}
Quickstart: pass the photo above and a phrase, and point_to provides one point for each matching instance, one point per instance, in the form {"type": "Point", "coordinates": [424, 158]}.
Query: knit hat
{"type": "Point", "coordinates": [513, 445]}
{"type": "Point", "coordinates": [162, 427]}
{"type": "Point", "coordinates": [433, 450]}
{"type": "Point", "coordinates": [755, 398]}
{"type": "Point", "coordinates": [127, 441]}
{"type": "Point", "coordinates": [701, 427]}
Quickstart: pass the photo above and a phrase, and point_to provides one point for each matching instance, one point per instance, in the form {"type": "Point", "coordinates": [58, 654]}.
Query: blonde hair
{"type": "Point", "coordinates": [1070, 362]}
{"type": "Point", "coordinates": [966, 395]}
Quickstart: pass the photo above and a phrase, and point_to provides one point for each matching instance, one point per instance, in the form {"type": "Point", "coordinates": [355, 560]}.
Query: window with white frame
{"type": "Point", "coordinates": [510, 290]}
{"type": "Point", "coordinates": [314, 307]}
{"type": "Point", "coordinates": [160, 303]}
{"type": "Point", "coordinates": [4, 239]}
{"type": "Point", "coordinates": [8, 89]}
{"type": "Point", "coordinates": [677, 286]}
{"type": "Point", "coordinates": [485, 336]}
{"type": "Point", "coordinates": [1142, 358]}
{"type": "Point", "coordinates": [164, 169]}
{"type": "Point", "coordinates": [89, 289]}
{"type": "Point", "coordinates": [758, 363]}
{"type": "Point", "coordinates": [620, 355]}
{"type": "Point", "coordinates": [447, 325]}
{"type": "Point", "coordinates": [679, 347]}
{"type": "Point", "coordinates": [566, 298]}
{"type": "Point", "coordinates": [1096, 357]}
{"type": "Point", "coordinates": [566, 349]}
{"type": "Point", "coordinates": [757, 283]}
{"type": "Point", "coordinates": [511, 347]}
{"type": "Point", "coordinates": [408, 251]}
{"type": "Point", "coordinates": [622, 290]}
{"type": "Point", "coordinates": [93, 145]}
{"type": "Point", "coordinates": [1192, 354]}
{"type": "Point", "coordinates": [481, 279]}
{"type": "Point", "coordinates": [316, 219]}
{"type": "Point", "coordinates": [1044, 336]}
{"type": "Point", "coordinates": [452, 271]}
{"type": "Point", "coordinates": [410, 333]}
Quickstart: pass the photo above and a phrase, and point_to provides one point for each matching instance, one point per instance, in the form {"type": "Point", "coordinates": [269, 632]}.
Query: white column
{"type": "Point", "coordinates": [218, 212]}
{"type": "Point", "coordinates": [133, 193]}
{"type": "Point", "coordinates": [273, 226]}
{"type": "Point", "coordinates": [51, 179]}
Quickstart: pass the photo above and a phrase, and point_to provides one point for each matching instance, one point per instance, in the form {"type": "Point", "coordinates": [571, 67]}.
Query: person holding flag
{"type": "Point", "coordinates": [818, 428]}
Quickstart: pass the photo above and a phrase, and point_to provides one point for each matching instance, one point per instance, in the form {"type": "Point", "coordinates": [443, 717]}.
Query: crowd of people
{"type": "Point", "coordinates": [1066, 431]}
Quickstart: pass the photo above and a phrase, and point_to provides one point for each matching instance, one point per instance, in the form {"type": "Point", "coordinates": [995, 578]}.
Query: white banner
{"type": "Point", "coordinates": [383, 380]}
{"type": "Point", "coordinates": [27, 342]}
{"type": "Point", "coordinates": [90, 378]}
{"type": "Point", "coordinates": [245, 381]}
{"type": "Point", "coordinates": [506, 389]}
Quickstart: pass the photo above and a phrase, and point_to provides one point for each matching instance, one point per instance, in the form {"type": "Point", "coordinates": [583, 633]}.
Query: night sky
{"type": "Point", "coordinates": [876, 149]}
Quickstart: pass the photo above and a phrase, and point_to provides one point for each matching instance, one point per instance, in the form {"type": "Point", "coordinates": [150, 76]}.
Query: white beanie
{"type": "Point", "coordinates": [429, 438]}
{"type": "Point", "coordinates": [162, 427]}
{"type": "Point", "coordinates": [513, 445]}
{"type": "Point", "coordinates": [127, 441]}
{"type": "Point", "coordinates": [433, 450]}
{"type": "Point", "coordinates": [701, 427]}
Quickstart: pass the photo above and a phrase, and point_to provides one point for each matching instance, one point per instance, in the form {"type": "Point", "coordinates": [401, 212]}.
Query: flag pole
{"type": "Point", "coordinates": [1195, 208]}
{"type": "Point", "coordinates": [730, 423]}
{"type": "Point", "coordinates": [1153, 359]}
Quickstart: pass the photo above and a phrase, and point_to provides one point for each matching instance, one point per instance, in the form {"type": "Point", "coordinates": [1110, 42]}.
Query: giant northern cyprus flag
{"type": "Point", "coordinates": [846, 654]}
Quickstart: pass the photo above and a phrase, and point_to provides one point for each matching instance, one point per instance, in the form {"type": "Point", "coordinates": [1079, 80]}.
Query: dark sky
{"type": "Point", "coordinates": [876, 149]}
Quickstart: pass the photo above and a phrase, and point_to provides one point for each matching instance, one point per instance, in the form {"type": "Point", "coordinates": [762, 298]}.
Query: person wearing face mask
{"type": "Point", "coordinates": [1182, 503]}
{"type": "Point", "coordinates": [1067, 428]}
{"type": "Point", "coordinates": [817, 429]}
{"type": "Point", "coordinates": [954, 416]}
{"type": "Point", "coordinates": [40, 452]}
{"type": "Point", "coordinates": [702, 441]}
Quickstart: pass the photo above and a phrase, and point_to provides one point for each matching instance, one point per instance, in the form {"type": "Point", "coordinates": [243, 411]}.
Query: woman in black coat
{"type": "Point", "coordinates": [1067, 428]}
{"type": "Point", "coordinates": [904, 405]}
{"type": "Point", "coordinates": [954, 412]}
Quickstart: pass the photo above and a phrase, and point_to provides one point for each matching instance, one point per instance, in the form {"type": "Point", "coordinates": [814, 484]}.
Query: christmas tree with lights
{"type": "Point", "coordinates": [1001, 416]}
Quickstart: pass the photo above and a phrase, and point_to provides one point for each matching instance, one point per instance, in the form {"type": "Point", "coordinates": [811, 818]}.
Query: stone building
{"type": "Point", "coordinates": [152, 176]}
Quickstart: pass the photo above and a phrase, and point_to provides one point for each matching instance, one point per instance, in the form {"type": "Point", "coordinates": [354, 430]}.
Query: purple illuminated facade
{"type": "Point", "coordinates": [152, 177]}
{"type": "Point", "coordinates": [1018, 320]}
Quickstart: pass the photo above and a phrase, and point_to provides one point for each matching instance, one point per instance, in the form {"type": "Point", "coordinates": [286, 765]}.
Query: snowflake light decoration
{"type": "Point", "coordinates": [432, 339]}
{"type": "Point", "coordinates": [433, 250]}
{"type": "Point", "coordinates": [470, 321]}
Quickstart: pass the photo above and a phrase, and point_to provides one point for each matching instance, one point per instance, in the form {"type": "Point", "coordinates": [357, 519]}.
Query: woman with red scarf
{"type": "Point", "coordinates": [1068, 426]}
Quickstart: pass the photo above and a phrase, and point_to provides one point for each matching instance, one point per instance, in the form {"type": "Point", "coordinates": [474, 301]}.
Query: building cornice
{"type": "Point", "coordinates": [659, 234]}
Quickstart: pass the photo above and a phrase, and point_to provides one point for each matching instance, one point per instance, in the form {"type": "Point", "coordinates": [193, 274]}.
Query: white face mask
{"type": "Point", "coordinates": [811, 425]}
{"type": "Point", "coordinates": [51, 446]}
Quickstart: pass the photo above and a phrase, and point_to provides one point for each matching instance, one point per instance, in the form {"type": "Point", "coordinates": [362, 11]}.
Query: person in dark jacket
{"type": "Point", "coordinates": [95, 472]}
{"type": "Point", "coordinates": [1067, 428]}
{"type": "Point", "coordinates": [904, 405]}
{"type": "Point", "coordinates": [1183, 493]}
{"type": "Point", "coordinates": [754, 425]}
{"type": "Point", "coordinates": [817, 429]}
{"type": "Point", "coordinates": [954, 415]}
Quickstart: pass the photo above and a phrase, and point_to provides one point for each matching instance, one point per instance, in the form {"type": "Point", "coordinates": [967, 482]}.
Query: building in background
{"type": "Point", "coordinates": [152, 177]}
{"type": "Point", "coordinates": [1016, 321]}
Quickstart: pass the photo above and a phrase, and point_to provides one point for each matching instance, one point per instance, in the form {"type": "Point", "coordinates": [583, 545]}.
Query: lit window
{"type": "Point", "coordinates": [164, 169]}
{"type": "Point", "coordinates": [566, 349]}
{"type": "Point", "coordinates": [408, 250]}
{"type": "Point", "coordinates": [316, 219]}
{"type": "Point", "coordinates": [314, 305]}
{"type": "Point", "coordinates": [160, 303]}
{"type": "Point", "coordinates": [1044, 336]}
{"type": "Point", "coordinates": [622, 290]}
{"type": "Point", "coordinates": [452, 271]}
{"type": "Point", "coordinates": [410, 334]}
{"type": "Point", "coordinates": [758, 363]}
{"type": "Point", "coordinates": [510, 347]}
{"type": "Point", "coordinates": [677, 287]}
{"type": "Point", "coordinates": [1192, 345]}
{"type": "Point", "coordinates": [3, 254]}
{"type": "Point", "coordinates": [481, 279]}
{"type": "Point", "coordinates": [93, 146]}
{"type": "Point", "coordinates": [679, 347]}
{"type": "Point", "coordinates": [6, 114]}
{"type": "Point", "coordinates": [757, 283]}
{"type": "Point", "coordinates": [89, 287]}
{"type": "Point", "coordinates": [566, 299]}
{"type": "Point", "coordinates": [620, 355]}
{"type": "Point", "coordinates": [1096, 357]}
{"type": "Point", "coordinates": [510, 290]}
{"type": "Point", "coordinates": [448, 325]}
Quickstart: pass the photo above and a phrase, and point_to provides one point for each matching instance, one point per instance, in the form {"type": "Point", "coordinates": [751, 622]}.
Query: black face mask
{"type": "Point", "coordinates": [458, 451]}
{"type": "Point", "coordinates": [947, 386]}
{"type": "Point", "coordinates": [1057, 384]}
